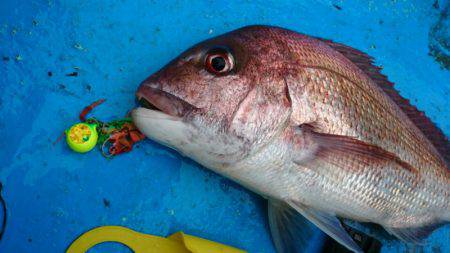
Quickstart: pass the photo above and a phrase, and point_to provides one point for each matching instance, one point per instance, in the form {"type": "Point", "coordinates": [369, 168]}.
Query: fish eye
{"type": "Point", "coordinates": [219, 61]}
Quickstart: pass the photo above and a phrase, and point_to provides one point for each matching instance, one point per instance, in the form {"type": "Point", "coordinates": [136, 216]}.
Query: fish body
{"type": "Point", "coordinates": [307, 123]}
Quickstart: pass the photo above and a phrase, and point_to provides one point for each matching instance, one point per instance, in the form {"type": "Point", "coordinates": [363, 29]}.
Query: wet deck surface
{"type": "Point", "coordinates": [53, 195]}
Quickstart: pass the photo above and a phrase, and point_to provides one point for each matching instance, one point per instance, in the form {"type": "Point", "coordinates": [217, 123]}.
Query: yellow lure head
{"type": "Point", "coordinates": [82, 137]}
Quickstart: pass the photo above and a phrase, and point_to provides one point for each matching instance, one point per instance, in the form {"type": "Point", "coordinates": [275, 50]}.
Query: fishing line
{"type": "Point", "coordinates": [3, 203]}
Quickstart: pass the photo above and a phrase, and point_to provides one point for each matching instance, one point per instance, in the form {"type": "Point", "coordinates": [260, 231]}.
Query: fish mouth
{"type": "Point", "coordinates": [158, 100]}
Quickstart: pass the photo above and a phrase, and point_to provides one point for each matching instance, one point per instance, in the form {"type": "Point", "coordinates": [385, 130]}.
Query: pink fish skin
{"type": "Point", "coordinates": [309, 124]}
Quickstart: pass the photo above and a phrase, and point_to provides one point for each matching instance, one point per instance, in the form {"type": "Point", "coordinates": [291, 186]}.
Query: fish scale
{"type": "Point", "coordinates": [394, 132]}
{"type": "Point", "coordinates": [313, 126]}
{"type": "Point", "coordinates": [362, 191]}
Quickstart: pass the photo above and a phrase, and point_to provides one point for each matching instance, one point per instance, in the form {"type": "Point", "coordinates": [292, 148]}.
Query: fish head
{"type": "Point", "coordinates": [219, 101]}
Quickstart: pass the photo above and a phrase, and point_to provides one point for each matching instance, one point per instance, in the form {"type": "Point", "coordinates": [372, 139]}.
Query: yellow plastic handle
{"type": "Point", "coordinates": [144, 243]}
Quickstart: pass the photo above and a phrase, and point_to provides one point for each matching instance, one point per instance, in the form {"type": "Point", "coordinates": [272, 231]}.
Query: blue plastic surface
{"type": "Point", "coordinates": [54, 195]}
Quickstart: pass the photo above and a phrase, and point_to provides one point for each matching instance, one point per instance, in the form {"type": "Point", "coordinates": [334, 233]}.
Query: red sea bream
{"type": "Point", "coordinates": [309, 124]}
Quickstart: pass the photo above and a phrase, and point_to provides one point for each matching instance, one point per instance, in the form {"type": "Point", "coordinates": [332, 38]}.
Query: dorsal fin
{"type": "Point", "coordinates": [366, 64]}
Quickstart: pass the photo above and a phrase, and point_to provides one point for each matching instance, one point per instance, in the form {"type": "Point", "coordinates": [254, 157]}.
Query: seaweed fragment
{"type": "Point", "coordinates": [106, 203]}
{"type": "Point", "coordinates": [439, 39]}
{"type": "Point", "coordinates": [78, 46]}
{"type": "Point", "coordinates": [436, 4]}
{"type": "Point", "coordinates": [337, 7]}
{"type": "Point", "coordinates": [73, 74]}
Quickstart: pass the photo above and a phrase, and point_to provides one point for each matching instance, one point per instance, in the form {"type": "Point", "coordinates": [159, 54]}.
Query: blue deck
{"type": "Point", "coordinates": [54, 195]}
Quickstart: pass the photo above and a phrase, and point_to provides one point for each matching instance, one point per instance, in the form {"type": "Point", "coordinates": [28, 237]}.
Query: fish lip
{"type": "Point", "coordinates": [155, 99]}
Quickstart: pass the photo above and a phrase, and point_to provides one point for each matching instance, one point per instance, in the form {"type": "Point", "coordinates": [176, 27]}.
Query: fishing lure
{"type": "Point", "coordinates": [113, 138]}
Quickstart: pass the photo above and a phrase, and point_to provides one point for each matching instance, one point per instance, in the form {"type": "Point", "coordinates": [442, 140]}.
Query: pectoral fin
{"type": "Point", "coordinates": [291, 232]}
{"type": "Point", "coordinates": [328, 224]}
{"type": "Point", "coordinates": [346, 152]}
